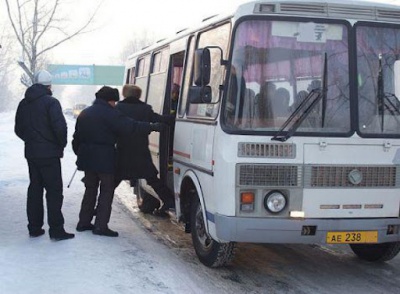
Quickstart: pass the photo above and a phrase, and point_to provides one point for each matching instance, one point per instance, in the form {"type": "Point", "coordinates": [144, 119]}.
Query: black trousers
{"type": "Point", "coordinates": [104, 200]}
{"type": "Point", "coordinates": [45, 174]}
{"type": "Point", "coordinates": [165, 194]}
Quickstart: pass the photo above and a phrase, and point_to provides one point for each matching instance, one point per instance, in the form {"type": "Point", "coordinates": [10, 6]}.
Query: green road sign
{"type": "Point", "coordinates": [86, 74]}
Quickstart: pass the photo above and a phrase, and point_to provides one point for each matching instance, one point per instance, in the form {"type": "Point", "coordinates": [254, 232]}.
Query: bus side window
{"type": "Point", "coordinates": [216, 37]}
{"type": "Point", "coordinates": [128, 75]}
{"type": "Point", "coordinates": [132, 75]}
{"type": "Point", "coordinates": [187, 76]}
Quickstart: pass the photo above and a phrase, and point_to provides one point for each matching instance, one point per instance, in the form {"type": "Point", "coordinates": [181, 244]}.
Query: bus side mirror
{"type": "Point", "coordinates": [202, 67]}
{"type": "Point", "coordinates": [200, 94]}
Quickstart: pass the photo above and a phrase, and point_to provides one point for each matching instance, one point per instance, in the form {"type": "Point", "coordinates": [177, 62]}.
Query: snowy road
{"type": "Point", "coordinates": [154, 255]}
{"type": "Point", "coordinates": [135, 262]}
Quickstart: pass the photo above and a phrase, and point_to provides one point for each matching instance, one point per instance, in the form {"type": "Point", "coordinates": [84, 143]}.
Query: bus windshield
{"type": "Point", "coordinates": [276, 64]}
{"type": "Point", "coordinates": [378, 53]}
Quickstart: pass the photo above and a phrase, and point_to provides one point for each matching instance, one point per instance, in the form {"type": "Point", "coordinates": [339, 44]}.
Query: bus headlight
{"type": "Point", "coordinates": [275, 201]}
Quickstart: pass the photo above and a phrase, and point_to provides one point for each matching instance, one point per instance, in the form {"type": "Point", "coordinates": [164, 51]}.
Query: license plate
{"type": "Point", "coordinates": [352, 237]}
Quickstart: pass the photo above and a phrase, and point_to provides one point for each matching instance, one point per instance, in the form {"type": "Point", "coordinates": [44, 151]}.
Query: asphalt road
{"type": "Point", "coordinates": [272, 268]}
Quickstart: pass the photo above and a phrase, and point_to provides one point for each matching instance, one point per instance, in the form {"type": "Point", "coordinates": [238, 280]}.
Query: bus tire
{"type": "Point", "coordinates": [376, 252]}
{"type": "Point", "coordinates": [210, 252]}
{"type": "Point", "coordinates": [145, 202]}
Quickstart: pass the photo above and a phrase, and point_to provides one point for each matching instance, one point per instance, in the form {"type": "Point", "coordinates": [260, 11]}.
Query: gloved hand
{"type": "Point", "coordinates": [157, 127]}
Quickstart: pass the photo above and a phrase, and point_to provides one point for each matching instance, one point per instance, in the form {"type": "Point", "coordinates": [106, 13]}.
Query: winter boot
{"type": "Point", "coordinates": [168, 203]}
{"type": "Point", "coordinates": [81, 228]}
{"type": "Point", "coordinates": [105, 232]}
{"type": "Point", "coordinates": [60, 235]}
{"type": "Point", "coordinates": [36, 233]}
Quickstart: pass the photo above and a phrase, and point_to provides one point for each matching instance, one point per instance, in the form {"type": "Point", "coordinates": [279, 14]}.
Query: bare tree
{"type": "Point", "coordinates": [139, 41]}
{"type": "Point", "coordinates": [34, 22]}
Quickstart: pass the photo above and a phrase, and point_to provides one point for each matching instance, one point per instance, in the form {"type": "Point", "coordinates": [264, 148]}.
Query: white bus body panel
{"type": "Point", "coordinates": [193, 151]}
{"type": "Point", "coordinates": [334, 153]}
{"type": "Point", "coordinates": [193, 144]}
{"type": "Point", "coordinates": [314, 198]}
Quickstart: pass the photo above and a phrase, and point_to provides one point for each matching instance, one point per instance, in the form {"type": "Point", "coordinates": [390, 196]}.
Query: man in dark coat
{"type": "Point", "coordinates": [40, 123]}
{"type": "Point", "coordinates": [133, 154]}
{"type": "Point", "coordinates": [96, 132]}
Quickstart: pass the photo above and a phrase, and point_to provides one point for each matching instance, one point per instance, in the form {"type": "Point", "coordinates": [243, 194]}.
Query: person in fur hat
{"type": "Point", "coordinates": [133, 154]}
{"type": "Point", "coordinates": [96, 132]}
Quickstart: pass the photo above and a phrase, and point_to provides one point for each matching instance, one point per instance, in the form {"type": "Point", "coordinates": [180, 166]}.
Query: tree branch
{"type": "Point", "coordinates": [20, 38]}
{"type": "Point", "coordinates": [31, 24]}
{"type": "Point", "coordinates": [50, 20]}
{"type": "Point", "coordinates": [78, 32]}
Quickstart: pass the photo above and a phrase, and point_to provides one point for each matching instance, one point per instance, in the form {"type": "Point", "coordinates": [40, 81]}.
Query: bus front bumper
{"type": "Point", "coordinates": [274, 230]}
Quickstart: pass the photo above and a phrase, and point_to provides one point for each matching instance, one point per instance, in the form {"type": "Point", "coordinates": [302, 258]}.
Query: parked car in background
{"type": "Point", "coordinates": [68, 111]}
{"type": "Point", "coordinates": [77, 109]}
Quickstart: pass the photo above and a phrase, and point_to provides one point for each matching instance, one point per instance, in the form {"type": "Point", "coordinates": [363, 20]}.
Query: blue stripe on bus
{"type": "Point", "coordinates": [210, 216]}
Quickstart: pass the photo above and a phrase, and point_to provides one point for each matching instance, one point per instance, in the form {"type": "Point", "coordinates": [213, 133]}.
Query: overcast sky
{"type": "Point", "coordinates": [119, 20]}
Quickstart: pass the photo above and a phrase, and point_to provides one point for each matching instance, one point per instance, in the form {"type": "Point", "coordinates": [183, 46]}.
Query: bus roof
{"type": "Point", "coordinates": [384, 10]}
{"type": "Point", "coordinates": [366, 3]}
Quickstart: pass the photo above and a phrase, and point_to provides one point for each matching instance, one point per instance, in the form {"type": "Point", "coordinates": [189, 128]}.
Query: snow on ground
{"type": "Point", "coordinates": [132, 263]}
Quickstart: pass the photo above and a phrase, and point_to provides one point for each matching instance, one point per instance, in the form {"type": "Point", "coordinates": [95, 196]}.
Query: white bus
{"type": "Point", "coordinates": [287, 126]}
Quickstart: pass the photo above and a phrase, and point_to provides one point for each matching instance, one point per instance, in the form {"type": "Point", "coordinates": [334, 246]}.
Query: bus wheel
{"type": "Point", "coordinates": [376, 252]}
{"type": "Point", "coordinates": [210, 252]}
{"type": "Point", "coordinates": [146, 202]}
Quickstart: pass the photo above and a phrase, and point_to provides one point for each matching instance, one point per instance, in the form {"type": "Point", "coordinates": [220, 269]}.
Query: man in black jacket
{"type": "Point", "coordinates": [40, 123]}
{"type": "Point", "coordinates": [133, 155]}
{"type": "Point", "coordinates": [96, 132]}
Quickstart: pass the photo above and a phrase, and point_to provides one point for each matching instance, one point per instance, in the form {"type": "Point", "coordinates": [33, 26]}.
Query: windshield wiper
{"type": "Point", "coordinates": [392, 107]}
{"type": "Point", "coordinates": [381, 94]}
{"type": "Point", "coordinates": [324, 89]}
{"type": "Point", "coordinates": [314, 96]}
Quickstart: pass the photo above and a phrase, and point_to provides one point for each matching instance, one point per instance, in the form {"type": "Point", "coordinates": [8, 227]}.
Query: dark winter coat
{"type": "Point", "coordinates": [133, 154]}
{"type": "Point", "coordinates": [96, 131]}
{"type": "Point", "coordinates": [40, 123]}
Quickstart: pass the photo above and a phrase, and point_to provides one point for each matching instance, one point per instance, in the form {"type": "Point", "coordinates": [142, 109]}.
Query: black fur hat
{"type": "Point", "coordinates": [108, 94]}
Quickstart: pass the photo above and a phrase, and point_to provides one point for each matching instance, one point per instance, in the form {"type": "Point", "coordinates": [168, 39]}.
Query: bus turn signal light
{"type": "Point", "coordinates": [247, 201]}
{"type": "Point", "coordinates": [247, 197]}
